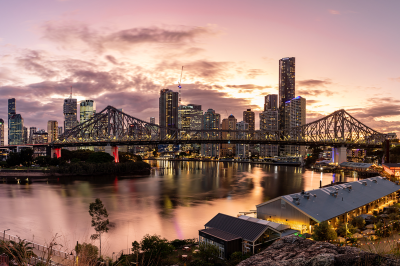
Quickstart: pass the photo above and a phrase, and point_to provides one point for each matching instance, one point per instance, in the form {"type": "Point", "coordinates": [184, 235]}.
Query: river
{"type": "Point", "coordinates": [174, 201]}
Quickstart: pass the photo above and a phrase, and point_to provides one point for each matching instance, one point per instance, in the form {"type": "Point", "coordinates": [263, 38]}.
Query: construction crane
{"type": "Point", "coordinates": [180, 89]}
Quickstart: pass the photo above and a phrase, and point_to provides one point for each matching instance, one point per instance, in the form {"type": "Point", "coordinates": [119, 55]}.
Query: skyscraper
{"type": "Point", "coordinates": [152, 120]}
{"type": "Point", "coordinates": [242, 150]}
{"type": "Point", "coordinates": [228, 124]}
{"type": "Point", "coordinates": [11, 112]}
{"type": "Point", "coordinates": [60, 131]}
{"type": "Point", "coordinates": [32, 130]}
{"type": "Point", "coordinates": [52, 130]}
{"type": "Point", "coordinates": [1, 132]}
{"type": "Point", "coordinates": [295, 115]}
{"type": "Point", "coordinates": [286, 85]}
{"type": "Point", "coordinates": [16, 130]}
{"type": "Point", "coordinates": [25, 136]}
{"type": "Point", "coordinates": [168, 109]}
{"type": "Point", "coordinates": [211, 121]}
{"type": "Point", "coordinates": [271, 102]}
{"type": "Point", "coordinates": [269, 122]}
{"type": "Point", "coordinates": [87, 110]}
{"type": "Point", "coordinates": [70, 113]}
{"type": "Point", "coordinates": [248, 117]}
{"type": "Point", "coordinates": [191, 117]}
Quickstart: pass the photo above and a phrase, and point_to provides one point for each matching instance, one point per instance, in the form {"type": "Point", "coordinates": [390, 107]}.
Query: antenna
{"type": "Point", "coordinates": [180, 90]}
{"type": "Point", "coordinates": [71, 93]}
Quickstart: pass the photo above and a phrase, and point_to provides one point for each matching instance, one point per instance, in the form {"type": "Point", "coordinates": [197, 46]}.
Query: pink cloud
{"type": "Point", "coordinates": [334, 12]}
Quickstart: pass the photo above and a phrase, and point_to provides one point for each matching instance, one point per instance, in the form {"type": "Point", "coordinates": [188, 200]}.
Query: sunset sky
{"type": "Point", "coordinates": [121, 53]}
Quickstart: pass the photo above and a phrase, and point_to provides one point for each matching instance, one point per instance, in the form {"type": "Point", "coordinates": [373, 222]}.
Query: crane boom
{"type": "Point", "coordinates": [180, 88]}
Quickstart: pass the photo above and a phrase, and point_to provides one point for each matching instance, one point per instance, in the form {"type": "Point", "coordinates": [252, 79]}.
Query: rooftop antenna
{"type": "Point", "coordinates": [71, 93]}
{"type": "Point", "coordinates": [180, 90]}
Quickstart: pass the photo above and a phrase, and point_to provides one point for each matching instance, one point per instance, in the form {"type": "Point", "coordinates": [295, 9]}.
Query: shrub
{"type": "Point", "coordinates": [341, 230]}
{"type": "Point", "coordinates": [324, 232]}
{"type": "Point", "coordinates": [358, 222]}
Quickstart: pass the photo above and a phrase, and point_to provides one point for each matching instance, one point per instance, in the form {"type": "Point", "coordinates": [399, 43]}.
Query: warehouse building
{"type": "Point", "coordinates": [244, 233]}
{"type": "Point", "coordinates": [301, 211]}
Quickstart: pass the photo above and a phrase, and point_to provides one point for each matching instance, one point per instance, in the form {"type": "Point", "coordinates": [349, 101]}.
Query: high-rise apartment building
{"type": "Point", "coordinates": [87, 110]}
{"type": "Point", "coordinates": [191, 117]}
{"type": "Point", "coordinates": [52, 130]}
{"type": "Point", "coordinates": [269, 122]}
{"type": "Point", "coordinates": [211, 121]}
{"type": "Point", "coordinates": [31, 131]}
{"type": "Point", "coordinates": [286, 85]}
{"type": "Point", "coordinates": [70, 113]}
{"type": "Point", "coordinates": [242, 150]}
{"type": "Point", "coordinates": [11, 112]}
{"type": "Point", "coordinates": [228, 150]}
{"type": "Point", "coordinates": [1, 132]}
{"type": "Point", "coordinates": [271, 102]}
{"type": "Point", "coordinates": [248, 117]}
{"type": "Point", "coordinates": [168, 110]}
{"type": "Point", "coordinates": [152, 120]}
{"type": "Point", "coordinates": [40, 137]}
{"type": "Point", "coordinates": [295, 115]}
{"type": "Point", "coordinates": [60, 131]}
{"type": "Point", "coordinates": [16, 130]}
{"type": "Point", "coordinates": [25, 136]}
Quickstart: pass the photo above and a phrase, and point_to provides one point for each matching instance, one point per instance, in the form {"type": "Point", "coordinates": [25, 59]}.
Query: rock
{"type": "Point", "coordinates": [297, 251]}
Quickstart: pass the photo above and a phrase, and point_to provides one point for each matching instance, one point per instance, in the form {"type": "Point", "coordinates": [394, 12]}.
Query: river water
{"type": "Point", "coordinates": [174, 201]}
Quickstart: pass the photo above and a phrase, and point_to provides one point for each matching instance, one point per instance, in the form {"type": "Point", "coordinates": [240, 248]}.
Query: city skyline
{"type": "Point", "coordinates": [333, 65]}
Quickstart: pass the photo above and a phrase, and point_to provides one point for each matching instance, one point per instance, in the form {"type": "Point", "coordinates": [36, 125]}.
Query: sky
{"type": "Point", "coordinates": [122, 52]}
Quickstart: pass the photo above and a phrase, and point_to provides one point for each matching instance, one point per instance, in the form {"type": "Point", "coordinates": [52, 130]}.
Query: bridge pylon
{"type": "Point", "coordinates": [113, 151]}
{"type": "Point", "coordinates": [339, 154]}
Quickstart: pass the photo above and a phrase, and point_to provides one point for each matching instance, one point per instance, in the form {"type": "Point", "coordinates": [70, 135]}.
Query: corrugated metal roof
{"type": "Point", "coordinates": [276, 226]}
{"type": "Point", "coordinates": [220, 234]}
{"type": "Point", "coordinates": [247, 230]}
{"type": "Point", "coordinates": [325, 206]}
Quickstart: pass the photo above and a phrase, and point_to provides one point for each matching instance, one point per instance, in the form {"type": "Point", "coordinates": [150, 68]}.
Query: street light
{"type": "Point", "coordinates": [4, 235]}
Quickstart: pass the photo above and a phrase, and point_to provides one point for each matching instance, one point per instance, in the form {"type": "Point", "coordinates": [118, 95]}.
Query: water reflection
{"type": "Point", "coordinates": [175, 201]}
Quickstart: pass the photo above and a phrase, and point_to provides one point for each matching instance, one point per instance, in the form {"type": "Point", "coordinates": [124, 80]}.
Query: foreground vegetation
{"type": "Point", "coordinates": [79, 162]}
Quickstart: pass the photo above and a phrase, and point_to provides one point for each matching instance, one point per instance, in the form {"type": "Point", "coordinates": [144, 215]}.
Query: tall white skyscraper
{"type": "Point", "coordinates": [87, 110]}
{"type": "Point", "coordinates": [295, 115]}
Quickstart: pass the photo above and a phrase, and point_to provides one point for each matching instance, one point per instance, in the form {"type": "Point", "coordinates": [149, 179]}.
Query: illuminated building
{"type": "Point", "coordinates": [16, 130]}
{"type": "Point", "coordinates": [286, 85]}
{"type": "Point", "coordinates": [11, 112]}
{"type": "Point", "coordinates": [70, 113]}
{"type": "Point", "coordinates": [25, 136]}
{"type": "Point", "coordinates": [211, 121]}
{"type": "Point", "coordinates": [295, 115]}
{"type": "Point", "coordinates": [1, 132]}
{"type": "Point", "coordinates": [152, 120]}
{"type": "Point", "coordinates": [269, 121]}
{"type": "Point", "coordinates": [168, 110]}
{"type": "Point", "coordinates": [334, 204]}
{"type": "Point", "coordinates": [242, 150]}
{"type": "Point", "coordinates": [60, 131]}
{"type": "Point", "coordinates": [31, 131]}
{"type": "Point", "coordinates": [248, 117]}
{"type": "Point", "coordinates": [40, 137]}
{"type": "Point", "coordinates": [52, 130]}
{"type": "Point", "coordinates": [191, 117]}
{"type": "Point", "coordinates": [271, 102]}
{"type": "Point", "coordinates": [228, 124]}
{"type": "Point", "coordinates": [87, 109]}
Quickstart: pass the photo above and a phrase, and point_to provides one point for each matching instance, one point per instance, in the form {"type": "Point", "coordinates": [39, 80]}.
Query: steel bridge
{"type": "Point", "coordinates": [111, 127]}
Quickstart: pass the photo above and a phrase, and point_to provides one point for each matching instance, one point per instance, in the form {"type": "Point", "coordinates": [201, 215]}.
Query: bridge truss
{"type": "Point", "coordinates": [113, 127]}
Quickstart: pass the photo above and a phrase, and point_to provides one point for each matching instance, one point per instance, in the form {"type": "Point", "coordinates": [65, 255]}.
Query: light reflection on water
{"type": "Point", "coordinates": [175, 201]}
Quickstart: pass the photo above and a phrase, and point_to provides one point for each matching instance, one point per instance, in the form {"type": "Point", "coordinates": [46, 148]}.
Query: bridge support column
{"type": "Point", "coordinates": [55, 153]}
{"type": "Point", "coordinates": [113, 151]}
{"type": "Point", "coordinates": [339, 155]}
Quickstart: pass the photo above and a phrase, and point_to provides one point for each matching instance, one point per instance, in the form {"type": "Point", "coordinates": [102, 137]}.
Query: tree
{"type": "Point", "coordinates": [341, 230]}
{"type": "Point", "coordinates": [100, 157]}
{"type": "Point", "coordinates": [13, 159]}
{"type": "Point", "coordinates": [26, 157]}
{"type": "Point", "coordinates": [155, 248]}
{"type": "Point", "coordinates": [87, 253]}
{"type": "Point", "coordinates": [324, 232]}
{"type": "Point", "coordinates": [42, 160]}
{"type": "Point", "coordinates": [208, 252]}
{"type": "Point", "coordinates": [358, 222]}
{"type": "Point", "coordinates": [99, 219]}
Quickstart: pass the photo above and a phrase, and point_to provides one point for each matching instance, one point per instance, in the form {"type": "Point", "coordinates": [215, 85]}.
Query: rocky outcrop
{"type": "Point", "coordinates": [296, 251]}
